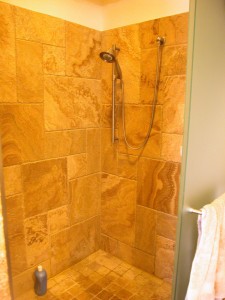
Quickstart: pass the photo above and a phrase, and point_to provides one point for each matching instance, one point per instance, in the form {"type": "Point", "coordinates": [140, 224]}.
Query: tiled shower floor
{"type": "Point", "coordinates": [103, 276]}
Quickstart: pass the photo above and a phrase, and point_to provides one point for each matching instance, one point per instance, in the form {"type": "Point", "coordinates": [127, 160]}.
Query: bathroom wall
{"type": "Point", "coordinates": [105, 14]}
{"type": "Point", "coordinates": [50, 107]}
{"type": "Point", "coordinates": [55, 126]}
{"type": "Point", "coordinates": [125, 12]}
{"type": "Point", "coordinates": [83, 12]}
{"type": "Point", "coordinates": [140, 188]}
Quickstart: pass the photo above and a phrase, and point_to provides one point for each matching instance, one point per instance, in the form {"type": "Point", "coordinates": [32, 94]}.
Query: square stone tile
{"type": "Point", "coordinates": [54, 60]}
{"type": "Point", "coordinates": [37, 241]}
{"type": "Point", "coordinates": [30, 80]}
{"type": "Point", "coordinates": [158, 185]}
{"type": "Point", "coordinates": [118, 208]}
{"type": "Point", "coordinates": [44, 185]}
{"type": "Point", "coordinates": [85, 198]}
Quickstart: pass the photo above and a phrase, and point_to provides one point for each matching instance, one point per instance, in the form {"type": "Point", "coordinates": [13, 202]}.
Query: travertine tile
{"type": "Point", "coordinates": [106, 116]}
{"type": "Point", "coordinates": [7, 55]}
{"type": "Point", "coordinates": [38, 27]}
{"type": "Point", "coordinates": [171, 147]}
{"type": "Point", "coordinates": [59, 110]}
{"type": "Point", "coordinates": [24, 282]}
{"type": "Point", "coordinates": [164, 292]}
{"type": "Point", "coordinates": [136, 257]}
{"type": "Point", "coordinates": [182, 28]}
{"type": "Point", "coordinates": [15, 215]}
{"type": "Point", "coordinates": [76, 165]}
{"type": "Point", "coordinates": [93, 150]}
{"type": "Point", "coordinates": [154, 145]}
{"type": "Point", "coordinates": [63, 143]}
{"type": "Point", "coordinates": [167, 29]}
{"type": "Point", "coordinates": [129, 59]}
{"type": "Point", "coordinates": [127, 39]}
{"type": "Point", "coordinates": [127, 166]}
{"type": "Point", "coordinates": [19, 125]}
{"type": "Point", "coordinates": [174, 60]}
{"type": "Point", "coordinates": [108, 244]}
{"type": "Point", "coordinates": [12, 180]}
{"type": "Point", "coordinates": [87, 93]}
{"type": "Point", "coordinates": [71, 103]}
{"type": "Point", "coordinates": [173, 117]}
{"type": "Point", "coordinates": [145, 234]}
{"type": "Point", "coordinates": [118, 208]}
{"type": "Point", "coordinates": [172, 89]}
{"type": "Point", "coordinates": [54, 60]}
{"type": "Point", "coordinates": [104, 295]}
{"type": "Point", "coordinates": [30, 80]}
{"type": "Point", "coordinates": [87, 239]}
{"type": "Point", "coordinates": [60, 251]}
{"type": "Point", "coordinates": [164, 258]}
{"type": "Point", "coordinates": [137, 125]}
{"type": "Point", "coordinates": [85, 197]}
{"type": "Point", "coordinates": [17, 253]}
{"type": "Point", "coordinates": [37, 241]}
{"type": "Point", "coordinates": [44, 185]}
{"type": "Point", "coordinates": [149, 31]}
{"type": "Point", "coordinates": [148, 74]}
{"type": "Point", "coordinates": [166, 226]}
{"type": "Point", "coordinates": [53, 31]}
{"type": "Point", "coordinates": [58, 219]}
{"type": "Point", "coordinates": [158, 184]}
{"type": "Point", "coordinates": [83, 48]}
{"type": "Point", "coordinates": [76, 290]}
{"type": "Point", "coordinates": [173, 104]}
{"type": "Point", "coordinates": [108, 152]}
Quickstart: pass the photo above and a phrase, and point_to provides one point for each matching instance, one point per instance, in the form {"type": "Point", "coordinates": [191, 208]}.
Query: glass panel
{"type": "Point", "coordinates": [203, 174]}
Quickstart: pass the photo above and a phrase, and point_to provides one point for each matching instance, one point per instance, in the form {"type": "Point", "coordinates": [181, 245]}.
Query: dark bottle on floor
{"type": "Point", "coordinates": [40, 286]}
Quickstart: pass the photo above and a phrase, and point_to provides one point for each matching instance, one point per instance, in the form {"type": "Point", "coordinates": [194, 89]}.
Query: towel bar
{"type": "Point", "coordinates": [195, 211]}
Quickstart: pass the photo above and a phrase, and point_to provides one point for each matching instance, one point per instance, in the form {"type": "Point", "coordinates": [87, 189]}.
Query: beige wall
{"type": "Point", "coordinates": [82, 12]}
{"type": "Point", "coordinates": [103, 15]}
{"type": "Point", "coordinates": [126, 12]}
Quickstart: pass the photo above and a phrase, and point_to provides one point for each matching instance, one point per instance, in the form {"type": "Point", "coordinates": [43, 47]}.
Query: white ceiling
{"type": "Point", "coordinates": [105, 14]}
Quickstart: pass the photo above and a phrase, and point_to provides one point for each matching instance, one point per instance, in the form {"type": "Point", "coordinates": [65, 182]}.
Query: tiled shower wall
{"type": "Point", "coordinates": [140, 188]}
{"type": "Point", "coordinates": [50, 103]}
{"type": "Point", "coordinates": [56, 143]}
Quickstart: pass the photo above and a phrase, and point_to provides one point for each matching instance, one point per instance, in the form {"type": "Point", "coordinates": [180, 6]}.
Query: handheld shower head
{"type": "Point", "coordinates": [107, 57]}
{"type": "Point", "coordinates": [110, 57]}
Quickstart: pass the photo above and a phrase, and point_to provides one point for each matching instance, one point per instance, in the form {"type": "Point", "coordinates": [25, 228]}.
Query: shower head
{"type": "Point", "coordinates": [110, 57]}
{"type": "Point", "coordinates": [107, 57]}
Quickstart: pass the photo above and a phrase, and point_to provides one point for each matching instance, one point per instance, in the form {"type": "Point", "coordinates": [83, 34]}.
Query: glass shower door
{"type": "Point", "coordinates": [203, 165]}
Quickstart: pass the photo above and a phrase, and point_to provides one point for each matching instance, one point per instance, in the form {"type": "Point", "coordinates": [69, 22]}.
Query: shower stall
{"type": "Point", "coordinates": [91, 154]}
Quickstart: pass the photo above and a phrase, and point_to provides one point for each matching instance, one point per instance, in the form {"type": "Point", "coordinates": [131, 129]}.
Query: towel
{"type": "Point", "coordinates": [207, 278]}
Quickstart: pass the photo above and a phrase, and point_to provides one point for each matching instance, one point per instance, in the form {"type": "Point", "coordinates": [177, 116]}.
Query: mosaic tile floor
{"type": "Point", "coordinates": [102, 276]}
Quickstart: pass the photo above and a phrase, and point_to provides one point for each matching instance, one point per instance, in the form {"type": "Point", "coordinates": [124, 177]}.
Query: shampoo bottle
{"type": "Point", "coordinates": [40, 286]}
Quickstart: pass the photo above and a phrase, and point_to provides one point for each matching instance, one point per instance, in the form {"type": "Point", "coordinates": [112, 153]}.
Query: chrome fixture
{"type": "Point", "coordinates": [195, 211]}
{"type": "Point", "coordinates": [110, 56]}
